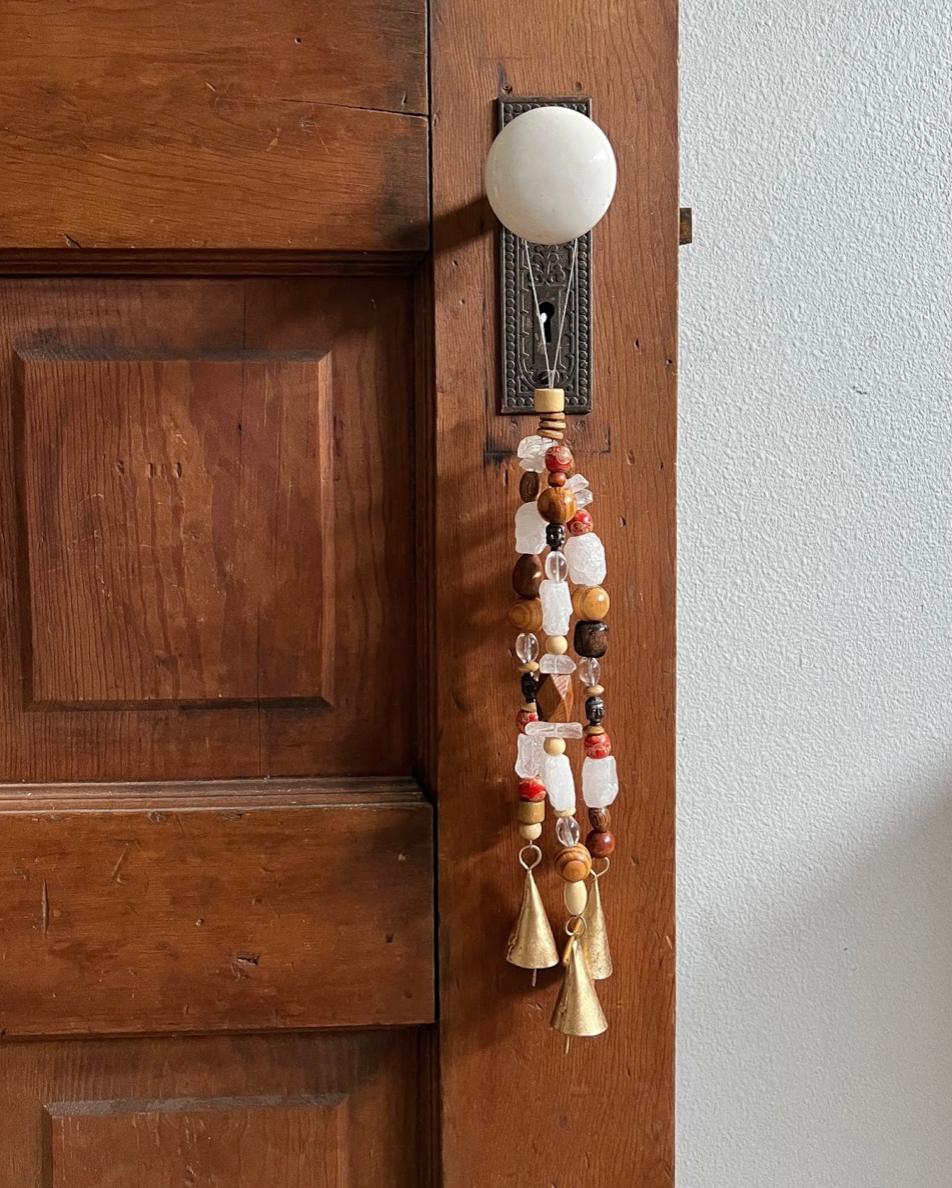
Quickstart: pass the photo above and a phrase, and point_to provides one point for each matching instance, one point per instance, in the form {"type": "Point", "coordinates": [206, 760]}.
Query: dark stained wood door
{"type": "Point", "coordinates": [254, 553]}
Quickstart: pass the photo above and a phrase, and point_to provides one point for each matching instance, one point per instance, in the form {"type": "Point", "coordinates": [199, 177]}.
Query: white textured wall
{"type": "Point", "coordinates": [815, 728]}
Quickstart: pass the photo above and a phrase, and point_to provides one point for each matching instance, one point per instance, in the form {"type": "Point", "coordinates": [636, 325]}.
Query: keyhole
{"type": "Point", "coordinates": [546, 316]}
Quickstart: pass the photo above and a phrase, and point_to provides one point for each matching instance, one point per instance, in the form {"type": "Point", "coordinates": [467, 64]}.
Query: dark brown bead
{"type": "Point", "coordinates": [527, 576]}
{"type": "Point", "coordinates": [591, 638]}
{"type": "Point", "coordinates": [530, 685]}
{"type": "Point", "coordinates": [594, 710]}
{"type": "Point", "coordinates": [557, 505]}
{"type": "Point", "coordinates": [555, 536]}
{"type": "Point", "coordinates": [599, 818]}
{"type": "Point", "coordinates": [600, 843]}
{"type": "Point", "coordinates": [529, 486]}
{"type": "Point", "coordinates": [556, 479]}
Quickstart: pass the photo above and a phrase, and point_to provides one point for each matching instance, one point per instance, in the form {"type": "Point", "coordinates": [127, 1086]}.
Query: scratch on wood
{"type": "Point", "coordinates": [45, 908]}
{"type": "Point", "coordinates": [118, 867]}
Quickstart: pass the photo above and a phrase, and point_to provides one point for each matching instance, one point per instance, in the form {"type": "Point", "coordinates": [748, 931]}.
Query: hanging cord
{"type": "Point", "coordinates": [552, 365]}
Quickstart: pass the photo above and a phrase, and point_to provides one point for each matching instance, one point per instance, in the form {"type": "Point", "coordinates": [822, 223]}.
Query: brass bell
{"type": "Point", "coordinates": [594, 942]}
{"type": "Point", "coordinates": [577, 1009]}
{"type": "Point", "coordinates": [531, 943]}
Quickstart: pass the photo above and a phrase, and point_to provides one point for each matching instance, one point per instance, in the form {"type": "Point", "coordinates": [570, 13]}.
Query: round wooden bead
{"type": "Point", "coordinates": [559, 458]}
{"type": "Point", "coordinates": [556, 645]}
{"type": "Point", "coordinates": [556, 479]}
{"type": "Point", "coordinates": [527, 575]}
{"type": "Point", "coordinates": [526, 614]}
{"type": "Point", "coordinates": [530, 812]}
{"type": "Point", "coordinates": [530, 832]}
{"type": "Point", "coordinates": [598, 746]}
{"type": "Point", "coordinates": [599, 818]}
{"type": "Point", "coordinates": [600, 843]}
{"type": "Point", "coordinates": [576, 897]}
{"type": "Point", "coordinates": [531, 789]}
{"type": "Point", "coordinates": [529, 485]}
{"type": "Point", "coordinates": [554, 746]}
{"type": "Point", "coordinates": [591, 638]}
{"type": "Point", "coordinates": [574, 864]}
{"type": "Point", "coordinates": [581, 523]}
{"type": "Point", "coordinates": [590, 602]}
{"type": "Point", "coordinates": [557, 505]}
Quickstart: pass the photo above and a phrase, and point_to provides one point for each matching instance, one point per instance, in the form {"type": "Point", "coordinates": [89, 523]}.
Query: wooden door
{"type": "Point", "coordinates": [255, 692]}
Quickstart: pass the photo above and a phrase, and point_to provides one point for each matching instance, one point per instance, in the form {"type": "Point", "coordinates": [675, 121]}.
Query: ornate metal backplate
{"type": "Point", "coordinates": [523, 357]}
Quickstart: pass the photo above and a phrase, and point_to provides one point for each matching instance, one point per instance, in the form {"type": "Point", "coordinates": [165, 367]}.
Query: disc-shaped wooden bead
{"type": "Point", "coordinates": [526, 614]}
{"type": "Point", "coordinates": [557, 505]}
{"type": "Point", "coordinates": [527, 576]}
{"type": "Point", "coordinates": [590, 602]}
{"type": "Point", "coordinates": [591, 638]}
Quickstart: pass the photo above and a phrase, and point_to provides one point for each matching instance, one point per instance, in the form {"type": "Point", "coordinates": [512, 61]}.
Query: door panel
{"type": "Point", "coordinates": [212, 572]}
{"type": "Point", "coordinates": [135, 124]}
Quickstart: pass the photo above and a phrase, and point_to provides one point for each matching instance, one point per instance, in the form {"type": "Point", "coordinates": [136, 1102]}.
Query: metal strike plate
{"type": "Point", "coordinates": [523, 357]}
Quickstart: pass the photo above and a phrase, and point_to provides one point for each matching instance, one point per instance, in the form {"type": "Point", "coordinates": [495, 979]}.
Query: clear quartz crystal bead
{"type": "Point", "coordinates": [560, 665]}
{"type": "Point", "coordinates": [531, 453]}
{"type": "Point", "coordinates": [530, 529]}
{"type": "Point", "coordinates": [599, 782]}
{"type": "Point", "coordinates": [556, 567]}
{"type": "Point", "coordinates": [589, 670]}
{"type": "Point", "coordinates": [554, 729]}
{"type": "Point", "coordinates": [559, 782]}
{"type": "Point", "coordinates": [567, 831]}
{"type": "Point", "coordinates": [578, 485]}
{"type": "Point", "coordinates": [527, 647]}
{"type": "Point", "coordinates": [556, 607]}
{"type": "Point", "coordinates": [584, 498]}
{"type": "Point", "coordinates": [586, 558]}
{"type": "Point", "coordinates": [529, 756]}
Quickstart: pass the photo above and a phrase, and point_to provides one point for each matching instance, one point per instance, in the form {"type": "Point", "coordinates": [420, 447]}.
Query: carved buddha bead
{"type": "Point", "coordinates": [594, 710]}
{"type": "Point", "coordinates": [557, 505]}
{"type": "Point", "coordinates": [529, 682]}
{"type": "Point", "coordinates": [590, 602]}
{"type": "Point", "coordinates": [591, 638]}
{"type": "Point", "coordinates": [555, 536]}
{"type": "Point", "coordinates": [526, 615]}
{"type": "Point", "coordinates": [527, 575]}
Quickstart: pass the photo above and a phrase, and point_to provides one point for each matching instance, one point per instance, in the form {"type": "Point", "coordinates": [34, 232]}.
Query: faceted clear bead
{"type": "Point", "coordinates": [556, 607]}
{"type": "Point", "coordinates": [554, 729]}
{"type": "Point", "coordinates": [589, 670]}
{"type": "Point", "coordinates": [530, 529]}
{"type": "Point", "coordinates": [567, 831]}
{"type": "Point", "coordinates": [559, 782]}
{"type": "Point", "coordinates": [586, 558]}
{"type": "Point", "coordinates": [527, 647]}
{"type": "Point", "coordinates": [556, 567]}
{"type": "Point", "coordinates": [560, 665]}
{"type": "Point", "coordinates": [531, 453]}
{"type": "Point", "coordinates": [529, 756]}
{"type": "Point", "coordinates": [599, 781]}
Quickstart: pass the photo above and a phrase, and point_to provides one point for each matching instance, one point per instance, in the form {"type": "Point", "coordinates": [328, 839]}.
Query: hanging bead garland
{"type": "Point", "coordinates": [552, 516]}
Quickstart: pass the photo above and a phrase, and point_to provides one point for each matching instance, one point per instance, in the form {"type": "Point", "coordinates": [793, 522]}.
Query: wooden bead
{"type": "Point", "coordinates": [581, 523]}
{"type": "Point", "coordinates": [530, 812]}
{"type": "Point", "coordinates": [600, 843]}
{"type": "Point", "coordinates": [530, 832]}
{"type": "Point", "coordinates": [529, 486]}
{"type": "Point", "coordinates": [554, 746]}
{"type": "Point", "coordinates": [557, 505]}
{"type": "Point", "coordinates": [594, 690]}
{"type": "Point", "coordinates": [551, 434]}
{"type": "Point", "coordinates": [574, 864]}
{"type": "Point", "coordinates": [527, 575]}
{"type": "Point", "coordinates": [529, 666]}
{"type": "Point", "coordinates": [591, 638]}
{"type": "Point", "coordinates": [559, 458]}
{"type": "Point", "coordinates": [556, 697]}
{"type": "Point", "coordinates": [549, 400]}
{"type": "Point", "coordinates": [556, 645]}
{"type": "Point", "coordinates": [599, 818]}
{"type": "Point", "coordinates": [569, 812]}
{"type": "Point", "coordinates": [526, 614]}
{"type": "Point", "coordinates": [576, 897]}
{"type": "Point", "coordinates": [590, 602]}
{"type": "Point", "coordinates": [556, 479]}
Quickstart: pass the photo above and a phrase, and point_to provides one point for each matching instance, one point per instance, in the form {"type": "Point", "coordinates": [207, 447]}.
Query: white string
{"type": "Point", "coordinates": [551, 366]}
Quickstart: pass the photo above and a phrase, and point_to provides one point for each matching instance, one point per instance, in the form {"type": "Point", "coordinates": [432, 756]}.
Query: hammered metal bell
{"type": "Point", "coordinates": [577, 1009]}
{"type": "Point", "coordinates": [594, 942]}
{"type": "Point", "coordinates": [531, 943]}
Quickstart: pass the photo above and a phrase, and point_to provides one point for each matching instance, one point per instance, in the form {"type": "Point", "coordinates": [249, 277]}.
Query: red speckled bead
{"type": "Point", "coordinates": [531, 790]}
{"type": "Point", "coordinates": [581, 523]}
{"type": "Point", "coordinates": [600, 843]}
{"type": "Point", "coordinates": [597, 746]}
{"type": "Point", "coordinates": [524, 717]}
{"type": "Point", "coordinates": [559, 457]}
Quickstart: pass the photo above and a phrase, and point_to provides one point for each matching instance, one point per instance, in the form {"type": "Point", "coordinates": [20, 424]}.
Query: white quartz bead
{"type": "Point", "coordinates": [530, 530]}
{"type": "Point", "coordinates": [599, 782]}
{"type": "Point", "coordinates": [531, 453]}
{"type": "Point", "coordinates": [559, 782]}
{"type": "Point", "coordinates": [578, 485]}
{"type": "Point", "coordinates": [554, 729]}
{"type": "Point", "coordinates": [586, 558]}
{"type": "Point", "coordinates": [556, 607]}
{"type": "Point", "coordinates": [560, 665]}
{"type": "Point", "coordinates": [529, 756]}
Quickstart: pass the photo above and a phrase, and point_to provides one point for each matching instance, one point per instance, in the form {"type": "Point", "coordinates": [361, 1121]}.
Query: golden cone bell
{"type": "Point", "coordinates": [531, 943]}
{"type": "Point", "coordinates": [594, 940]}
{"type": "Point", "coordinates": [577, 1010]}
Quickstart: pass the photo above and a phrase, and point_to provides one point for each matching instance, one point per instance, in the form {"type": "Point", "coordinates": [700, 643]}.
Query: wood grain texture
{"type": "Point", "coordinates": [130, 911]}
{"type": "Point", "coordinates": [319, 374]}
{"type": "Point", "coordinates": [322, 1103]}
{"type": "Point", "coordinates": [216, 125]}
{"type": "Point", "coordinates": [603, 1114]}
{"type": "Point", "coordinates": [179, 514]}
